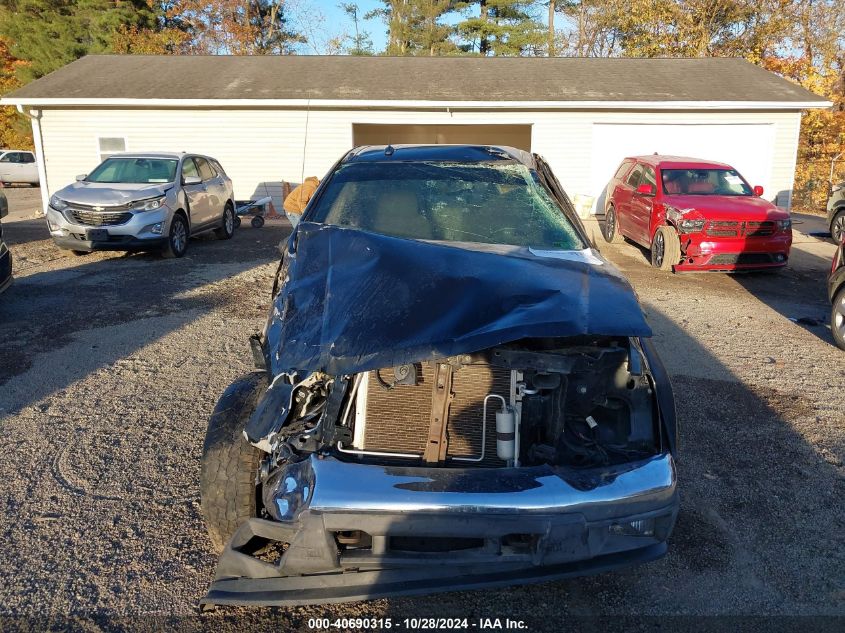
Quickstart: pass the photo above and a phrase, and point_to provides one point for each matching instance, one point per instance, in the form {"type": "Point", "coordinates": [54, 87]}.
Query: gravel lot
{"type": "Point", "coordinates": [111, 364]}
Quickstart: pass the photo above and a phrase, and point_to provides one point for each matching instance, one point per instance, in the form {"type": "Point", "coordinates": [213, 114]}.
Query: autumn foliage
{"type": "Point", "coordinates": [14, 130]}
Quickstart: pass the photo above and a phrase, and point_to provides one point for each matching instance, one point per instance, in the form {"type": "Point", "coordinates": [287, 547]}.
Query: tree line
{"type": "Point", "coordinates": [802, 40]}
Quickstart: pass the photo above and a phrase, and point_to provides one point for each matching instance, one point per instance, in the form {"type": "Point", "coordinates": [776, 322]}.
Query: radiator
{"type": "Point", "coordinates": [397, 419]}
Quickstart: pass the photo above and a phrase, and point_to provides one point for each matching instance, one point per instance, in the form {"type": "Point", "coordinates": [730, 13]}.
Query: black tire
{"type": "Point", "coordinates": [610, 228]}
{"type": "Point", "coordinates": [837, 318]}
{"type": "Point", "coordinates": [237, 221]}
{"type": "Point", "coordinates": [665, 248]}
{"type": "Point", "coordinates": [81, 253]}
{"type": "Point", "coordinates": [229, 463]}
{"type": "Point", "coordinates": [177, 238]}
{"type": "Point", "coordinates": [837, 226]}
{"type": "Point", "coordinates": [227, 228]}
{"type": "Point", "coordinates": [257, 222]}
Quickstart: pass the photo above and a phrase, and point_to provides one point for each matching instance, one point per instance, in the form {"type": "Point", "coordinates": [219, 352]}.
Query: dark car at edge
{"type": "Point", "coordinates": [5, 254]}
{"type": "Point", "coordinates": [836, 294]}
{"type": "Point", "coordinates": [836, 211]}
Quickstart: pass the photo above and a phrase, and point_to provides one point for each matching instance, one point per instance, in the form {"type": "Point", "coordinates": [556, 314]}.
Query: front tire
{"type": "Point", "coordinates": [837, 318]}
{"type": "Point", "coordinates": [665, 248]}
{"type": "Point", "coordinates": [610, 228]}
{"type": "Point", "coordinates": [229, 465]}
{"type": "Point", "coordinates": [837, 226]}
{"type": "Point", "coordinates": [177, 238]}
{"type": "Point", "coordinates": [227, 228]}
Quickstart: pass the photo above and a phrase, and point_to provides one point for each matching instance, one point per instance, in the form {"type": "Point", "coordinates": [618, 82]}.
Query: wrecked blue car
{"type": "Point", "coordinates": [454, 391]}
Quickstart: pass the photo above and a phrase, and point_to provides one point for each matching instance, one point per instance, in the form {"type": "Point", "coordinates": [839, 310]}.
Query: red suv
{"type": "Point", "coordinates": [695, 215]}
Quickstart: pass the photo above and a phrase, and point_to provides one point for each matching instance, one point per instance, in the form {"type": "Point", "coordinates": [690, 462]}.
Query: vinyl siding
{"type": "Point", "coordinates": [260, 148]}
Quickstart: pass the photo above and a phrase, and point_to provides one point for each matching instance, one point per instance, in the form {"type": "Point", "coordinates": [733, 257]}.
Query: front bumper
{"type": "Point", "coordinates": [135, 234]}
{"type": "Point", "coordinates": [705, 253]}
{"type": "Point", "coordinates": [478, 528]}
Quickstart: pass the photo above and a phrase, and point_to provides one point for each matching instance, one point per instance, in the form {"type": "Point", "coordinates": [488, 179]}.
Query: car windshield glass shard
{"type": "Point", "coordinates": [134, 170]}
{"type": "Point", "coordinates": [501, 203]}
{"type": "Point", "coordinates": [705, 182]}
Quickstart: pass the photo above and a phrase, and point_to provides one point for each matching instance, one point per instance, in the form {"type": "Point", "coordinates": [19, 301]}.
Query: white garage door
{"type": "Point", "coordinates": [747, 147]}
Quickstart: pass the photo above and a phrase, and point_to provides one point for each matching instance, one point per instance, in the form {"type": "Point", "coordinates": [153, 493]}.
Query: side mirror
{"type": "Point", "coordinates": [646, 189]}
{"type": "Point", "coordinates": [758, 191]}
{"type": "Point", "coordinates": [81, 177]}
{"type": "Point", "coordinates": [191, 180]}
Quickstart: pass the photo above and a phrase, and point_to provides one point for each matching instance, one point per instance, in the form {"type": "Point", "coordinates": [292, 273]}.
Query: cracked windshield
{"type": "Point", "coordinates": [456, 202]}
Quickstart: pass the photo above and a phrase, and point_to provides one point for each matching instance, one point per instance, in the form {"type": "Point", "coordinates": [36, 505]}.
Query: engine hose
{"type": "Point", "coordinates": [384, 385]}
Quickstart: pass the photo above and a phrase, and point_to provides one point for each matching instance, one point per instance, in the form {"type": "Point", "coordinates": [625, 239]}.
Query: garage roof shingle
{"type": "Point", "coordinates": [522, 79]}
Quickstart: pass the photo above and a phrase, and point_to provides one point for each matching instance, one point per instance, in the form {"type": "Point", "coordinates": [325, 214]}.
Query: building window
{"type": "Point", "coordinates": [109, 145]}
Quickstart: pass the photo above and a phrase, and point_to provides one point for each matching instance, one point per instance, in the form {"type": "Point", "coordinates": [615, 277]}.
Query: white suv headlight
{"type": "Point", "coordinates": [57, 203]}
{"type": "Point", "coordinates": [149, 204]}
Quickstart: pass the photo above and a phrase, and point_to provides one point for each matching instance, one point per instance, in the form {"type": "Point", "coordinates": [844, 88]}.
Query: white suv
{"type": "Point", "coordinates": [18, 166]}
{"type": "Point", "coordinates": [143, 202]}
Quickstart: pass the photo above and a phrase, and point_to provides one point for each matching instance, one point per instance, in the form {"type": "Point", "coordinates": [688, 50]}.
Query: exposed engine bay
{"type": "Point", "coordinates": [580, 402]}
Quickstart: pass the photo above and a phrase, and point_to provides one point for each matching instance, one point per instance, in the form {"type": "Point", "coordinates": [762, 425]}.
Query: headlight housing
{"type": "Point", "coordinates": [691, 226]}
{"type": "Point", "coordinates": [57, 203]}
{"type": "Point", "coordinates": [287, 492]}
{"type": "Point", "coordinates": [684, 225]}
{"type": "Point", "coordinates": [149, 204]}
{"type": "Point", "coordinates": [784, 225]}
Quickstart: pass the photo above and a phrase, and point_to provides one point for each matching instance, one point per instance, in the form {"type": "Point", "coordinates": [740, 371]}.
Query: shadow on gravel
{"type": "Point", "coordinates": [797, 292]}
{"type": "Point", "coordinates": [46, 311]}
{"type": "Point", "coordinates": [19, 232]}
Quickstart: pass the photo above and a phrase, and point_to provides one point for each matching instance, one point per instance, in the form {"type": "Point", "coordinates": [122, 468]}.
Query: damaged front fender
{"type": "Point", "coordinates": [270, 414]}
{"type": "Point", "coordinates": [303, 401]}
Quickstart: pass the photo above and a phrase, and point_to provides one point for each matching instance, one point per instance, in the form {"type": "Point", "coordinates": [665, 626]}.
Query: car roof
{"type": "Point", "coordinates": [678, 162]}
{"type": "Point", "coordinates": [446, 153]}
{"type": "Point", "coordinates": [176, 155]}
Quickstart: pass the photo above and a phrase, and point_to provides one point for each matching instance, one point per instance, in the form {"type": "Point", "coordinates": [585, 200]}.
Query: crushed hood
{"type": "Point", "coordinates": [356, 301]}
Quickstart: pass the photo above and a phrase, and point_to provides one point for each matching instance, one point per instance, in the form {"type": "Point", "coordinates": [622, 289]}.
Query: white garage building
{"type": "Point", "coordinates": [274, 119]}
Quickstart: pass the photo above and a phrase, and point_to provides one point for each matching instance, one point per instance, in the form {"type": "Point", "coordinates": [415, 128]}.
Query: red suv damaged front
{"type": "Point", "coordinates": [720, 221]}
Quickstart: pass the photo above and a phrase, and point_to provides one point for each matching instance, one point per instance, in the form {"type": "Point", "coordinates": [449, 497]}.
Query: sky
{"type": "Point", "coordinates": [336, 21]}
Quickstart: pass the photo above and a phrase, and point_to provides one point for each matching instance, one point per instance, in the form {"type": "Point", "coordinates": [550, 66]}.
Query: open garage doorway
{"type": "Point", "coordinates": [518, 136]}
